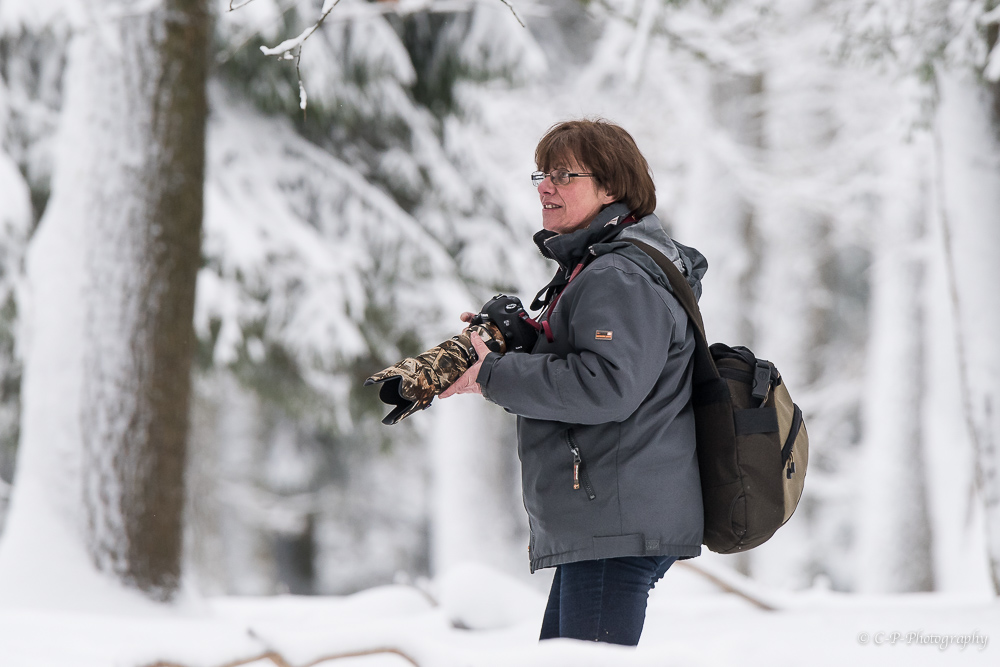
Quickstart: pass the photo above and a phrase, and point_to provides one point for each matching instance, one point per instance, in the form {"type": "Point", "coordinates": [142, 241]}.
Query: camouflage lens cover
{"type": "Point", "coordinates": [412, 384]}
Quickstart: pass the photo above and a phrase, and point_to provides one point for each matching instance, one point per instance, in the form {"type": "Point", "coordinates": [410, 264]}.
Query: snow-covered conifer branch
{"type": "Point", "coordinates": [990, 17]}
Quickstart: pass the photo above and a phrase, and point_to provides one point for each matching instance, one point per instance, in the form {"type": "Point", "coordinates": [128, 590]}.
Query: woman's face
{"type": "Point", "coordinates": [567, 208]}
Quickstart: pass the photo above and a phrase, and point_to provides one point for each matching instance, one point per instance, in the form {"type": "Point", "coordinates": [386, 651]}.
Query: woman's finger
{"type": "Point", "coordinates": [478, 345]}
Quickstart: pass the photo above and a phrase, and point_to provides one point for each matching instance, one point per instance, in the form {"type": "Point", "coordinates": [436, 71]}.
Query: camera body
{"type": "Point", "coordinates": [507, 313]}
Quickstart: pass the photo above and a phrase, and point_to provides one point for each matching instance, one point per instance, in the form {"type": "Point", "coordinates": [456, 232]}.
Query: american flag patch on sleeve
{"type": "Point", "coordinates": [603, 334]}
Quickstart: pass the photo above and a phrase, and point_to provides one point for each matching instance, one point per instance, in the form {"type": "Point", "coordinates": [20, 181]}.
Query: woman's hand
{"type": "Point", "coordinates": [467, 383]}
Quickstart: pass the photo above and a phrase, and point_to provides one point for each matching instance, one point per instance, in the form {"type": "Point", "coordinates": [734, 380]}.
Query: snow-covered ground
{"type": "Point", "coordinates": [477, 617]}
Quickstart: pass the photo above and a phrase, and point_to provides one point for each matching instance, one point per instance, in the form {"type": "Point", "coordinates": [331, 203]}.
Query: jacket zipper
{"type": "Point", "coordinates": [579, 470]}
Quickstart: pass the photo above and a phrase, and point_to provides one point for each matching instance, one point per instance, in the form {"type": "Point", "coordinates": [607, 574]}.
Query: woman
{"type": "Point", "coordinates": [605, 426]}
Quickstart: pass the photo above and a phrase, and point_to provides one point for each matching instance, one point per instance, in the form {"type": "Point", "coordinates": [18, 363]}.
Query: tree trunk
{"type": "Point", "coordinates": [107, 372]}
{"type": "Point", "coordinates": [968, 127]}
{"type": "Point", "coordinates": [144, 202]}
{"type": "Point", "coordinates": [895, 538]}
{"type": "Point", "coordinates": [794, 295]}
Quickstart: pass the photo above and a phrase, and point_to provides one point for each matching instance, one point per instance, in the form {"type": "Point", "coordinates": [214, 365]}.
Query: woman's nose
{"type": "Point", "coordinates": [546, 186]}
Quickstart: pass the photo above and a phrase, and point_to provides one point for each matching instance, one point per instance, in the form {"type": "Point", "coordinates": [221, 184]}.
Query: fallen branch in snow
{"type": "Point", "coordinates": [280, 661]}
{"type": "Point", "coordinates": [357, 654]}
{"type": "Point", "coordinates": [730, 583]}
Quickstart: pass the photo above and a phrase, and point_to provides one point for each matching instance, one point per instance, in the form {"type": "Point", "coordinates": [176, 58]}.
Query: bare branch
{"type": "Point", "coordinates": [284, 49]}
{"type": "Point", "coordinates": [358, 654]}
{"type": "Point", "coordinates": [376, 9]}
{"type": "Point", "coordinates": [729, 584]}
{"type": "Point", "coordinates": [280, 661]}
{"type": "Point", "coordinates": [233, 6]}
{"type": "Point", "coordinates": [511, 8]}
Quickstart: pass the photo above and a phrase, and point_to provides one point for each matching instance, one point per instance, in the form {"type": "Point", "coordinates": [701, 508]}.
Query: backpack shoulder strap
{"type": "Point", "coordinates": [705, 368]}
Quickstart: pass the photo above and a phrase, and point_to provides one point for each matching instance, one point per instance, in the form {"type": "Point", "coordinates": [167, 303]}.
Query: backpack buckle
{"type": "Point", "coordinates": [761, 380]}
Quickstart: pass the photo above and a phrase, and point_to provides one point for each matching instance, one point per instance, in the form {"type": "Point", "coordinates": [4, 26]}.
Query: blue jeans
{"type": "Point", "coordinates": [602, 600]}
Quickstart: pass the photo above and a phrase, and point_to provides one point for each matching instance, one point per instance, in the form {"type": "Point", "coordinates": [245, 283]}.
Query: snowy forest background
{"type": "Point", "coordinates": [837, 162]}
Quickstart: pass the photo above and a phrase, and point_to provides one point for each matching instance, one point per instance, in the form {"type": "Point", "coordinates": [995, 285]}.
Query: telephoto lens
{"type": "Point", "coordinates": [412, 384]}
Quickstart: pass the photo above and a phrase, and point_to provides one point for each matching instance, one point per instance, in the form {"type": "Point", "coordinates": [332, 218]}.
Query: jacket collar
{"type": "Point", "coordinates": [569, 249]}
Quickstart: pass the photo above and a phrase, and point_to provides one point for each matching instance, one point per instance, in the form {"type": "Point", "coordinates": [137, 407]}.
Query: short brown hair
{"type": "Point", "coordinates": [608, 152]}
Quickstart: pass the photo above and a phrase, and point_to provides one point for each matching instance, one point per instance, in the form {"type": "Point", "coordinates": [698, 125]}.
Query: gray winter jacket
{"type": "Point", "coordinates": [610, 397]}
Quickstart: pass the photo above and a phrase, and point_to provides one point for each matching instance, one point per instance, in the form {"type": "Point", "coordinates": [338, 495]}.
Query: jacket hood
{"type": "Point", "coordinates": [569, 249]}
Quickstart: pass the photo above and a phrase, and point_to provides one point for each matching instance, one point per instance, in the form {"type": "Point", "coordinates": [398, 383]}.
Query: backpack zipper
{"type": "Point", "coordinates": [579, 470]}
{"type": "Point", "coordinates": [793, 433]}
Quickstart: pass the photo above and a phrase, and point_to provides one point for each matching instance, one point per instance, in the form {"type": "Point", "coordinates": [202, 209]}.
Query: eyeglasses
{"type": "Point", "coordinates": [558, 176]}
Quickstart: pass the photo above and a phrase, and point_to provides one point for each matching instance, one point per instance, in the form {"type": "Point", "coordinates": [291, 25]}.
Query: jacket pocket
{"type": "Point", "coordinates": [580, 475]}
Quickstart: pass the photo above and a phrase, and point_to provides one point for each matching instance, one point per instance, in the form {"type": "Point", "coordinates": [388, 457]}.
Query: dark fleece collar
{"type": "Point", "coordinates": [569, 249]}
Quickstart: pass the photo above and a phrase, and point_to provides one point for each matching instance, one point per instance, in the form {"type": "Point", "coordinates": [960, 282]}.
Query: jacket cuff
{"type": "Point", "coordinates": [485, 371]}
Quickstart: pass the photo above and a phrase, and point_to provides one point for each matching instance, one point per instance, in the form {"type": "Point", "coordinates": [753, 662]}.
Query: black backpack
{"type": "Point", "coordinates": [752, 443]}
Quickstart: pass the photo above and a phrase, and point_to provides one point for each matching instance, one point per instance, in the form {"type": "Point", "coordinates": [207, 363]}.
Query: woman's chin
{"type": "Point", "coordinates": [559, 225]}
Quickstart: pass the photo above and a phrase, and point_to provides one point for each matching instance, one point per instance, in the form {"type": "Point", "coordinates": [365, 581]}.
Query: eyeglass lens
{"type": "Point", "coordinates": [558, 176]}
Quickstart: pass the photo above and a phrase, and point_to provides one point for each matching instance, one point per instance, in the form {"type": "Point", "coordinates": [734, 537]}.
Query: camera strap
{"type": "Point", "coordinates": [548, 296]}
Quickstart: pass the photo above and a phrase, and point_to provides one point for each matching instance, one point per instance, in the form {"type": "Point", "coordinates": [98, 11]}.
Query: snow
{"type": "Point", "coordinates": [477, 617]}
{"type": "Point", "coordinates": [16, 212]}
{"type": "Point", "coordinates": [16, 16]}
{"type": "Point", "coordinates": [52, 305]}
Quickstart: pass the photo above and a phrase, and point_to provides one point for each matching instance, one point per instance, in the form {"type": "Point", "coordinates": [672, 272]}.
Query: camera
{"type": "Point", "coordinates": [412, 384]}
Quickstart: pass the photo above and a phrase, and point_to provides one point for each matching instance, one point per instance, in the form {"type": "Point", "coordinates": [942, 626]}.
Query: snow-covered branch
{"type": "Point", "coordinates": [284, 50]}
{"type": "Point", "coordinates": [366, 10]}
{"type": "Point", "coordinates": [289, 45]}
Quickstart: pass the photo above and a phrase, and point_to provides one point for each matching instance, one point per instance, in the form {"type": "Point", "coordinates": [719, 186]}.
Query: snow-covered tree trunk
{"type": "Point", "coordinates": [794, 293]}
{"type": "Point", "coordinates": [112, 281]}
{"type": "Point", "coordinates": [143, 198]}
{"type": "Point", "coordinates": [968, 127]}
{"type": "Point", "coordinates": [895, 536]}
